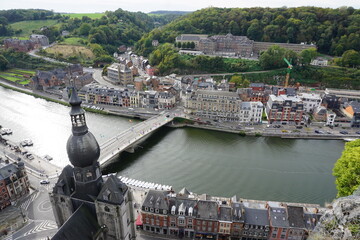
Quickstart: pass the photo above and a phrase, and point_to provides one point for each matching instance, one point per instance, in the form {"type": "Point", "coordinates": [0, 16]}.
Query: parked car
{"type": "Point", "coordinates": [344, 132]}
{"type": "Point", "coordinates": [44, 181]}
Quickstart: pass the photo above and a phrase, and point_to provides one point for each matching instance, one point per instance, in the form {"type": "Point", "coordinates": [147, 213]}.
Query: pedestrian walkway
{"type": "Point", "coordinates": [42, 226]}
{"type": "Point", "coordinates": [24, 204]}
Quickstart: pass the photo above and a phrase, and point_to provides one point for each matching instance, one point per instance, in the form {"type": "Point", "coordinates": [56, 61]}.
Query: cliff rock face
{"type": "Point", "coordinates": [341, 221]}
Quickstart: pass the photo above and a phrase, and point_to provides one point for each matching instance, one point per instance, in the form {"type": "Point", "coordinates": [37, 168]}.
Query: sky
{"type": "Point", "coordinates": [92, 6]}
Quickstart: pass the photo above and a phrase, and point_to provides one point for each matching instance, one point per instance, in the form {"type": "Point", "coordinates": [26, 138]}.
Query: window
{"type": "Point", "coordinates": [107, 209]}
{"type": "Point", "coordinates": [146, 209]}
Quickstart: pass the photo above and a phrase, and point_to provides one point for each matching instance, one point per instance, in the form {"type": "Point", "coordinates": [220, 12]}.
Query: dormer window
{"type": "Point", "coordinates": [190, 211]}
{"type": "Point", "coordinates": [173, 208]}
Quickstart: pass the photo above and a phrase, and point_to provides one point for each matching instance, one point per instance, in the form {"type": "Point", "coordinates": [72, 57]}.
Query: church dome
{"type": "Point", "coordinates": [82, 150]}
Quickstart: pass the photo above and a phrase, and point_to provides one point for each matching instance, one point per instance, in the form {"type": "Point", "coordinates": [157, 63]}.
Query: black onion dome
{"type": "Point", "coordinates": [82, 150]}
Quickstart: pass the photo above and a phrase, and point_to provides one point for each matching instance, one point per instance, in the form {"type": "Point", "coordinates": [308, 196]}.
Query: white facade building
{"type": "Point", "coordinates": [330, 118]}
{"type": "Point", "coordinates": [311, 101]}
{"type": "Point", "coordinates": [251, 112]}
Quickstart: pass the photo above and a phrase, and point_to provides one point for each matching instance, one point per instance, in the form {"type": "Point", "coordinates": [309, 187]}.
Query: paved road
{"type": "Point", "coordinates": [37, 208]}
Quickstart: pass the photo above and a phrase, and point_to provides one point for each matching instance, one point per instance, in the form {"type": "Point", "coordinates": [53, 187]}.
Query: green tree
{"type": "Point", "coordinates": [307, 55]}
{"type": "Point", "coordinates": [84, 29]}
{"type": "Point", "coordinates": [3, 63]}
{"type": "Point", "coordinates": [273, 58]}
{"type": "Point", "coordinates": [239, 81]}
{"type": "Point", "coordinates": [254, 32]}
{"type": "Point", "coordinates": [351, 58]}
{"type": "Point", "coordinates": [347, 169]}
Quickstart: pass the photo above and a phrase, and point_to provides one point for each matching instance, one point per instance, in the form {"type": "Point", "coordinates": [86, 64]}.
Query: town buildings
{"type": "Point", "coordinates": [310, 101]}
{"type": "Point", "coordinates": [85, 205]}
{"type": "Point", "coordinates": [284, 109]}
{"type": "Point", "coordinates": [223, 106]}
{"type": "Point", "coordinates": [40, 39]}
{"type": "Point", "coordinates": [185, 214]}
{"type": "Point", "coordinates": [20, 45]}
{"type": "Point", "coordinates": [14, 183]}
{"type": "Point", "coordinates": [120, 74]}
{"type": "Point", "coordinates": [352, 110]}
{"type": "Point", "coordinates": [73, 74]}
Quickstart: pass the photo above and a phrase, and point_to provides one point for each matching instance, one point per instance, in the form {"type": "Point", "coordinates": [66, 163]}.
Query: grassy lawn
{"type": "Point", "coordinates": [73, 41]}
{"type": "Point", "coordinates": [80, 15]}
{"type": "Point", "coordinates": [20, 71]}
{"type": "Point", "coordinates": [70, 50]}
{"type": "Point", "coordinates": [10, 78]}
{"type": "Point", "coordinates": [14, 74]}
{"type": "Point", "coordinates": [25, 82]}
{"type": "Point", "coordinates": [17, 75]}
{"type": "Point", "coordinates": [28, 26]}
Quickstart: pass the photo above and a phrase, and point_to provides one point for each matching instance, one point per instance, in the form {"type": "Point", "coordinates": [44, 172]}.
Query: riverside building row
{"type": "Point", "coordinates": [96, 94]}
{"type": "Point", "coordinates": [205, 217]}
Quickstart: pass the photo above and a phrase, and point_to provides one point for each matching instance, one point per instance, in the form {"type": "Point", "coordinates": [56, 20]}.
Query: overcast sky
{"type": "Point", "coordinates": [91, 6]}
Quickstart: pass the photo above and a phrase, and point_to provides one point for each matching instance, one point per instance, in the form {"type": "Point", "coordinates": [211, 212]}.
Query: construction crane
{"type": "Point", "coordinates": [288, 72]}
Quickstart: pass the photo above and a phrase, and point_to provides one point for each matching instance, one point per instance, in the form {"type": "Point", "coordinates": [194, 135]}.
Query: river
{"type": "Point", "coordinates": [220, 164]}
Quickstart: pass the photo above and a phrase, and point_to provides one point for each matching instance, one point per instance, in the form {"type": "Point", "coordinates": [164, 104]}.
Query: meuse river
{"type": "Point", "coordinates": [216, 163]}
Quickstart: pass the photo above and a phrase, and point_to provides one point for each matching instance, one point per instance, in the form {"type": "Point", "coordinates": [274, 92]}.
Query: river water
{"type": "Point", "coordinates": [220, 164]}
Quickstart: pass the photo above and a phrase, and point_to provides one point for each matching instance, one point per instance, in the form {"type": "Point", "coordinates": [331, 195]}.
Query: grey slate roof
{"type": "Point", "coordinates": [81, 225]}
{"type": "Point", "coordinates": [278, 217]}
{"type": "Point", "coordinates": [355, 105]}
{"type": "Point", "coordinates": [184, 192]}
{"type": "Point", "coordinates": [225, 213]}
{"type": "Point", "coordinates": [8, 170]}
{"type": "Point", "coordinates": [257, 217]}
{"type": "Point", "coordinates": [207, 210]}
{"type": "Point", "coordinates": [182, 204]}
{"type": "Point", "coordinates": [65, 184]}
{"type": "Point", "coordinates": [238, 212]}
{"type": "Point", "coordinates": [112, 191]}
{"type": "Point", "coordinates": [257, 84]}
{"type": "Point", "coordinates": [156, 199]}
{"type": "Point", "coordinates": [296, 216]}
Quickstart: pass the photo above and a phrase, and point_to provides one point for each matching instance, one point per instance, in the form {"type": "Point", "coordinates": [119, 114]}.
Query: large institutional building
{"type": "Point", "coordinates": [230, 45]}
{"type": "Point", "coordinates": [85, 205]}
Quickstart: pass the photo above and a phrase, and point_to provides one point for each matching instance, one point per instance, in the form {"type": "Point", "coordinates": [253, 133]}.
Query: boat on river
{"type": "Point", "coordinates": [47, 157]}
{"type": "Point", "coordinates": [5, 131]}
{"type": "Point", "coordinates": [26, 143]}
